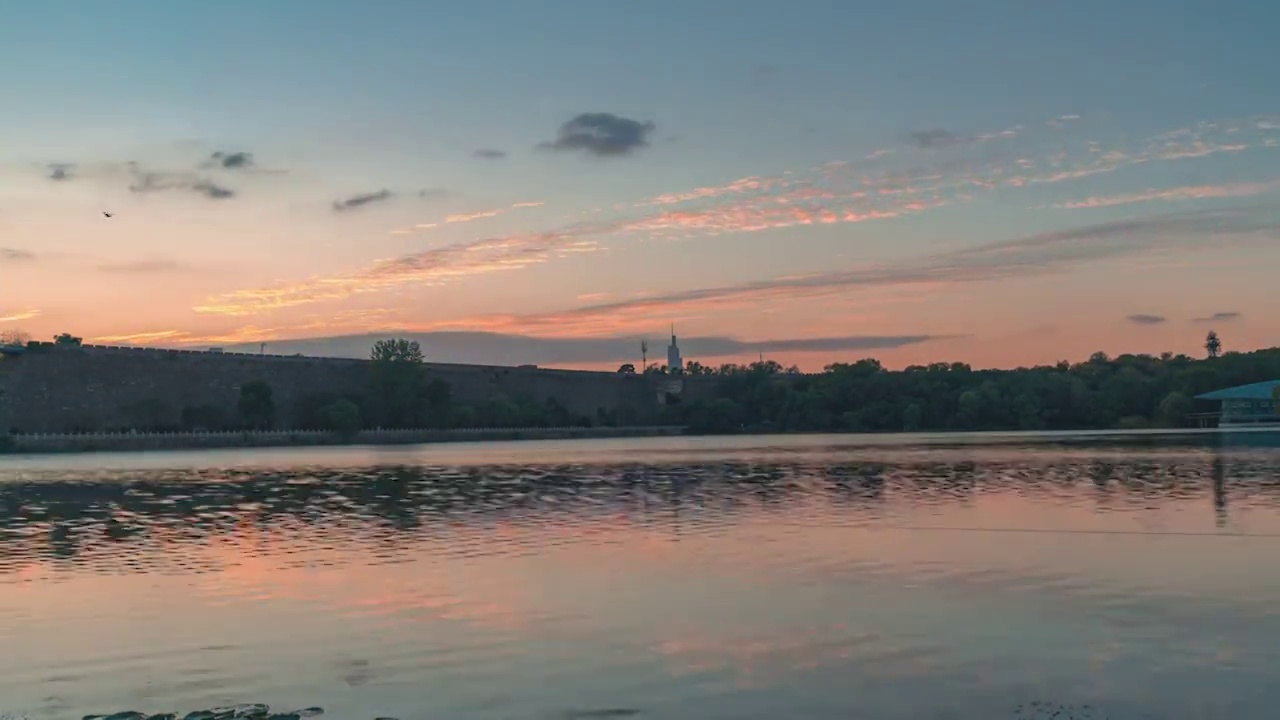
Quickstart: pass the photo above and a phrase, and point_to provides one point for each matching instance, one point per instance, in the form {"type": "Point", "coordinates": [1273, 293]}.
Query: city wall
{"type": "Point", "coordinates": [91, 388]}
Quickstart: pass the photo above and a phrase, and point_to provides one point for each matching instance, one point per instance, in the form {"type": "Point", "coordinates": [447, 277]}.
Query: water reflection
{"type": "Point", "coordinates": [895, 581]}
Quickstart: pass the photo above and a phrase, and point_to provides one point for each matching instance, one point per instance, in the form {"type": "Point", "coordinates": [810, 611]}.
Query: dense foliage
{"type": "Point", "coordinates": [1124, 392]}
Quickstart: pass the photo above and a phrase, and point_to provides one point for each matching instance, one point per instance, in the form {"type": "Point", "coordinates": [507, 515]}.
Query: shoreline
{"type": "Point", "coordinates": [54, 444]}
{"type": "Point", "coordinates": [46, 444]}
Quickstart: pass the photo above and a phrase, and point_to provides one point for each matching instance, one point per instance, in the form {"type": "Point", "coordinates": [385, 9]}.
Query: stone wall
{"type": "Point", "coordinates": [68, 388]}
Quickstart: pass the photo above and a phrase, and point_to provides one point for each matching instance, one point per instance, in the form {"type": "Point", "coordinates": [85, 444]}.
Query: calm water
{"type": "Point", "coordinates": [799, 577]}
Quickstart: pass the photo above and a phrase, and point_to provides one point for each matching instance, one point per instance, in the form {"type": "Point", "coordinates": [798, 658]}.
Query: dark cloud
{"type": "Point", "coordinates": [433, 193]}
{"type": "Point", "coordinates": [232, 160]}
{"type": "Point", "coordinates": [936, 138]}
{"type": "Point", "coordinates": [602, 134]}
{"type": "Point", "coordinates": [356, 201]}
{"type": "Point", "coordinates": [212, 191]}
{"type": "Point", "coordinates": [1219, 317]}
{"type": "Point", "coordinates": [489, 154]}
{"type": "Point", "coordinates": [8, 254]}
{"type": "Point", "coordinates": [61, 171]}
{"type": "Point", "coordinates": [149, 182]}
{"type": "Point", "coordinates": [142, 267]}
{"type": "Point", "coordinates": [1144, 319]}
{"type": "Point", "coordinates": [502, 349]}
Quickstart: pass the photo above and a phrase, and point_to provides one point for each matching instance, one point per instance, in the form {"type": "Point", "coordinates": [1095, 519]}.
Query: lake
{"type": "Point", "coordinates": [947, 577]}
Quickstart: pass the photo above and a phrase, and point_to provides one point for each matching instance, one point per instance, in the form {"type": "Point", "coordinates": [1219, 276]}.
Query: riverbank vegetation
{"type": "Point", "coordinates": [1129, 391]}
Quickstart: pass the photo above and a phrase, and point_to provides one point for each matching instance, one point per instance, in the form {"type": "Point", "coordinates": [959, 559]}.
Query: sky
{"type": "Point", "coordinates": [1002, 184]}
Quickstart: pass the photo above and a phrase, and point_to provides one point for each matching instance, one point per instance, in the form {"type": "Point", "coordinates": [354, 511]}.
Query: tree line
{"type": "Point", "coordinates": [1129, 391]}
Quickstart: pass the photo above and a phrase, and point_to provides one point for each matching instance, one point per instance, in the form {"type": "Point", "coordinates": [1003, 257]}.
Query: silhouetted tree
{"type": "Point", "coordinates": [1102, 392]}
{"type": "Point", "coordinates": [396, 350]}
{"type": "Point", "coordinates": [398, 389]}
{"type": "Point", "coordinates": [1212, 344]}
{"type": "Point", "coordinates": [693, 367]}
{"type": "Point", "coordinates": [257, 407]}
{"type": "Point", "coordinates": [343, 417]}
{"type": "Point", "coordinates": [627, 369]}
{"type": "Point", "coordinates": [66, 339]}
{"type": "Point", "coordinates": [14, 337]}
{"type": "Point", "coordinates": [1173, 408]}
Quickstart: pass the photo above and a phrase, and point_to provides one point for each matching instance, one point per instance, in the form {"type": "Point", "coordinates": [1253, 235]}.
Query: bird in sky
{"type": "Point", "coordinates": [106, 214]}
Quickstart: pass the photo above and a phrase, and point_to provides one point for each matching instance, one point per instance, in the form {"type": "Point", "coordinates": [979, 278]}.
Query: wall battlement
{"type": "Point", "coordinates": [65, 388]}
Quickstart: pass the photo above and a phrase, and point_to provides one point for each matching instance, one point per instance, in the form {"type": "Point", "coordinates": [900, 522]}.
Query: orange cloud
{"type": "Point", "coordinates": [745, 185]}
{"type": "Point", "coordinates": [519, 251]}
{"type": "Point", "coordinates": [468, 217]}
{"type": "Point", "coordinates": [19, 316]}
{"type": "Point", "coordinates": [142, 338]}
{"type": "Point", "coordinates": [1194, 192]}
{"type": "Point", "coordinates": [1043, 253]}
{"type": "Point", "coordinates": [425, 268]}
{"type": "Point", "coordinates": [527, 204]}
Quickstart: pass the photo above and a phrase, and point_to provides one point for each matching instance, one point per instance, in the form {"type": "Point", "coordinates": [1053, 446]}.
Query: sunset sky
{"type": "Point", "coordinates": [1000, 183]}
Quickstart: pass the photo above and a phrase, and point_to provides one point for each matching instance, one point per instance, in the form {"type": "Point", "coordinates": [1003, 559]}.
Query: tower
{"type": "Point", "coordinates": [674, 363]}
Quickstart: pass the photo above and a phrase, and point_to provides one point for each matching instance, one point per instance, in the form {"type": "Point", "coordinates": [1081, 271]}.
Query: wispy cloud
{"type": "Point", "coordinates": [143, 338]}
{"type": "Point", "coordinates": [1193, 192]}
{"type": "Point", "coordinates": [18, 315]}
{"type": "Point", "coordinates": [142, 267]}
{"type": "Point", "coordinates": [1228, 316]}
{"type": "Point", "coordinates": [489, 154]}
{"type": "Point", "coordinates": [8, 254]}
{"type": "Point", "coordinates": [463, 218]}
{"type": "Point", "coordinates": [468, 217]}
{"type": "Point", "coordinates": [1144, 319]}
{"type": "Point", "coordinates": [602, 134]}
{"type": "Point", "coordinates": [151, 182]}
{"type": "Point", "coordinates": [429, 267]}
{"type": "Point", "coordinates": [356, 201]}
{"type": "Point", "coordinates": [939, 138]}
{"type": "Point", "coordinates": [524, 250]}
{"type": "Point", "coordinates": [935, 138]}
{"type": "Point", "coordinates": [1033, 255]}
{"type": "Point", "coordinates": [744, 185]}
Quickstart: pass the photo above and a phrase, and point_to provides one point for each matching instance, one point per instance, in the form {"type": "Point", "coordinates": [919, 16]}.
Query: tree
{"type": "Point", "coordinates": [912, 416]}
{"type": "Point", "coordinates": [1173, 408]}
{"type": "Point", "coordinates": [343, 417]}
{"type": "Point", "coordinates": [66, 339]}
{"type": "Point", "coordinates": [257, 407]}
{"type": "Point", "coordinates": [693, 367]}
{"type": "Point", "coordinates": [14, 338]}
{"type": "Point", "coordinates": [1212, 344]}
{"type": "Point", "coordinates": [398, 389]}
{"type": "Point", "coordinates": [396, 350]}
{"type": "Point", "coordinates": [627, 369]}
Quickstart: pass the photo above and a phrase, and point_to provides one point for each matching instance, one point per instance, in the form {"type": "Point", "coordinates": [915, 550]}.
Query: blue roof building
{"type": "Point", "coordinates": [1245, 405]}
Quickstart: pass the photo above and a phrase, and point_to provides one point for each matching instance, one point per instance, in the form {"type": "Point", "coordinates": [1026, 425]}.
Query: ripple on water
{"type": "Point", "coordinates": [892, 581]}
